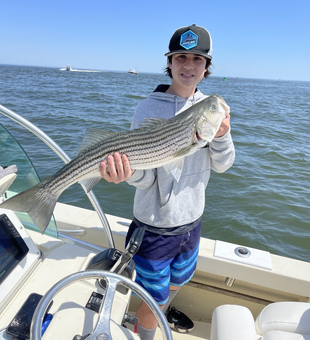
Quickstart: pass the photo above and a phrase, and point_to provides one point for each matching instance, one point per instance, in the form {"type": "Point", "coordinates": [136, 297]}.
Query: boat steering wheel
{"type": "Point", "coordinates": [102, 328]}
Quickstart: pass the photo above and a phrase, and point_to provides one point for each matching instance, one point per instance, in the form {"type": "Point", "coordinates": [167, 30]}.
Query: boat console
{"type": "Point", "coordinates": [19, 256]}
{"type": "Point", "coordinates": [58, 286]}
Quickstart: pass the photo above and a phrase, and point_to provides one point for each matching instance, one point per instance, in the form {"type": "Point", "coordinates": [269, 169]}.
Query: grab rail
{"type": "Point", "coordinates": [56, 148]}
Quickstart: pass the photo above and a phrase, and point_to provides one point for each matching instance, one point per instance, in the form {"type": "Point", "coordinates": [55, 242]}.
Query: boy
{"type": "Point", "coordinates": [168, 210]}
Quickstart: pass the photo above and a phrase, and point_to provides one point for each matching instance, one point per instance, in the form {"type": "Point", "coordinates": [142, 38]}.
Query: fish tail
{"type": "Point", "coordinates": [37, 201]}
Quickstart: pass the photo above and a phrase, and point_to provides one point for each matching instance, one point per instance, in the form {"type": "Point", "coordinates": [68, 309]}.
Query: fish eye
{"type": "Point", "coordinates": [213, 107]}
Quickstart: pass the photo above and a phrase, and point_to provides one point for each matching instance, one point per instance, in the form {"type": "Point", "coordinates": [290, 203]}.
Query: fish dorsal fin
{"type": "Point", "coordinates": [93, 136]}
{"type": "Point", "coordinates": [151, 122]}
{"type": "Point", "coordinates": [175, 168]}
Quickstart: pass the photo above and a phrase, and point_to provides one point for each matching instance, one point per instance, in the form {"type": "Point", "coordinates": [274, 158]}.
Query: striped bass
{"type": "Point", "coordinates": [158, 142]}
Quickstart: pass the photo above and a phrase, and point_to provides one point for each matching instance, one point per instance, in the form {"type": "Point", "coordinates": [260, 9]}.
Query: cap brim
{"type": "Point", "coordinates": [168, 54]}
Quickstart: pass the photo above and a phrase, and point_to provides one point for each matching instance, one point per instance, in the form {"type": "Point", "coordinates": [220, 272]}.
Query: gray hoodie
{"type": "Point", "coordinates": [160, 201]}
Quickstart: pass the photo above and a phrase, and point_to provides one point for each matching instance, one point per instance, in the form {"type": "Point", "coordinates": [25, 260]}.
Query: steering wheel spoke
{"type": "Point", "coordinates": [103, 324]}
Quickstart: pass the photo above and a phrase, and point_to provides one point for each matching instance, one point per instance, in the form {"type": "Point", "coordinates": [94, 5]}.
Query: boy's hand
{"type": "Point", "coordinates": [224, 126]}
{"type": "Point", "coordinates": [117, 169]}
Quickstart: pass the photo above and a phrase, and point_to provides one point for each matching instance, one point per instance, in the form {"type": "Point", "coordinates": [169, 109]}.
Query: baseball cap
{"type": "Point", "coordinates": [191, 39]}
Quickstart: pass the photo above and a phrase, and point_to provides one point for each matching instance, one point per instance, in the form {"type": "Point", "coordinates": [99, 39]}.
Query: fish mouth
{"type": "Point", "coordinates": [197, 136]}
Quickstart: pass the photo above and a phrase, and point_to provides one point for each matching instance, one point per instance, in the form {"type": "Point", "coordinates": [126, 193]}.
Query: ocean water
{"type": "Point", "coordinates": [262, 201]}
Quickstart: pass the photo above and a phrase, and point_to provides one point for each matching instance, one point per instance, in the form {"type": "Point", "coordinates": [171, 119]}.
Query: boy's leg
{"type": "Point", "coordinates": [173, 290]}
{"type": "Point", "coordinates": [147, 323]}
{"type": "Point", "coordinates": [146, 317]}
{"type": "Point", "coordinates": [146, 334]}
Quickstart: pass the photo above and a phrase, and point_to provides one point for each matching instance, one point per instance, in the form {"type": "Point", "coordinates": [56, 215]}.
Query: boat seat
{"type": "Point", "coordinates": [232, 322]}
{"type": "Point", "coordinates": [277, 321]}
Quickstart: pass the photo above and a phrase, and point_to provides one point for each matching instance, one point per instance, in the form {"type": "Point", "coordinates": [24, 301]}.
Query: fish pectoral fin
{"type": "Point", "coordinates": [175, 168]}
{"type": "Point", "coordinates": [184, 152]}
{"type": "Point", "coordinates": [151, 122]}
{"type": "Point", "coordinates": [93, 136]}
{"type": "Point", "coordinates": [89, 183]}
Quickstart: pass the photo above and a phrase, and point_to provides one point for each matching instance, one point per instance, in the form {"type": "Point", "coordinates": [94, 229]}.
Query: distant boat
{"type": "Point", "coordinates": [133, 71]}
{"type": "Point", "coordinates": [69, 68]}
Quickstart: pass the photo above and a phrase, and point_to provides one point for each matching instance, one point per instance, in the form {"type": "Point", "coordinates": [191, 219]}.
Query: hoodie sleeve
{"type": "Point", "coordinates": [142, 179]}
{"type": "Point", "coordinates": [222, 152]}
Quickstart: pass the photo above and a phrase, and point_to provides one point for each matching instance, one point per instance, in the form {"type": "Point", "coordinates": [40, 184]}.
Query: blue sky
{"type": "Point", "coordinates": [251, 39]}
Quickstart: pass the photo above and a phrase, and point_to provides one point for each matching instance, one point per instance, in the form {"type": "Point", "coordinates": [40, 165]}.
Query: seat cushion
{"type": "Point", "coordinates": [284, 316]}
{"type": "Point", "coordinates": [280, 335]}
{"type": "Point", "coordinates": [232, 322]}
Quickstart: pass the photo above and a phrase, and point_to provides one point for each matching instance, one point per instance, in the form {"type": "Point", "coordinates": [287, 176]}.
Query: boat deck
{"type": "Point", "coordinates": [201, 331]}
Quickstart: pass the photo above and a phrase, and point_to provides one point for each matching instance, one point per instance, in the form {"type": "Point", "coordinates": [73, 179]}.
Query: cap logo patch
{"type": "Point", "coordinates": [189, 40]}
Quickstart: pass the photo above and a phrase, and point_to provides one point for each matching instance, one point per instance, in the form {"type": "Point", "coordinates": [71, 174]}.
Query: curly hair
{"type": "Point", "coordinates": [169, 73]}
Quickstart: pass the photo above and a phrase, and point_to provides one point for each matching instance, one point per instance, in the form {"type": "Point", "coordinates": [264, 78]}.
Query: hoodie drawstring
{"type": "Point", "coordinates": [176, 104]}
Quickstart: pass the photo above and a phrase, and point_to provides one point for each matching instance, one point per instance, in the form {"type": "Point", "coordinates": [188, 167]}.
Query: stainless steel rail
{"type": "Point", "coordinates": [56, 148]}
